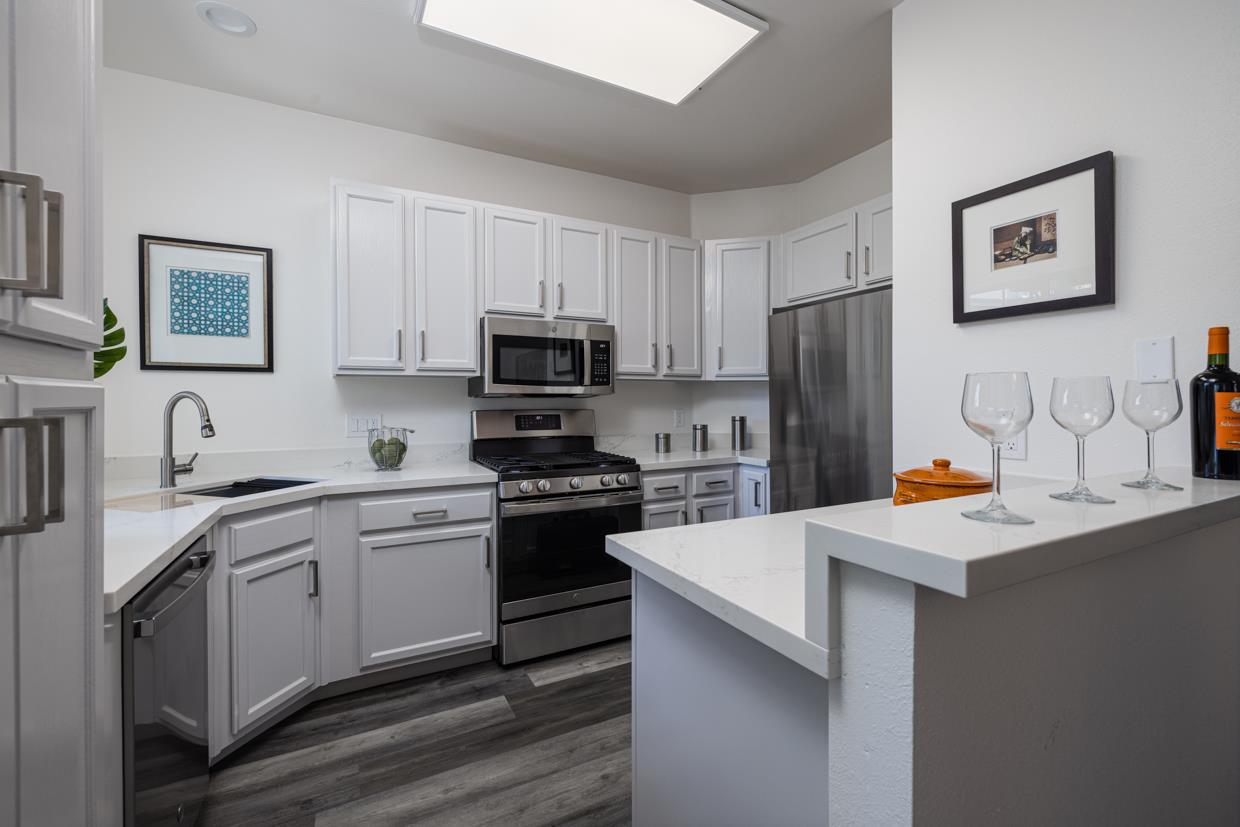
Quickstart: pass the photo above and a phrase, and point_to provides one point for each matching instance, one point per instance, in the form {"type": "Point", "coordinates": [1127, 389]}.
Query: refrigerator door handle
{"type": "Point", "coordinates": [35, 519]}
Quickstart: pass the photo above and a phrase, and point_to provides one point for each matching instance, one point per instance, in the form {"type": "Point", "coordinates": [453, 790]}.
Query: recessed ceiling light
{"type": "Point", "coordinates": [225, 18]}
{"type": "Point", "coordinates": [662, 48]}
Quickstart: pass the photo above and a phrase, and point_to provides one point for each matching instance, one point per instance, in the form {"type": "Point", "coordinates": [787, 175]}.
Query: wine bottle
{"type": "Point", "coordinates": [1215, 397]}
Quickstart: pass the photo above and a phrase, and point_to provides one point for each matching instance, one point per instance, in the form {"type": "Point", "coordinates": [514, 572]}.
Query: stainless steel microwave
{"type": "Point", "coordinates": [533, 357]}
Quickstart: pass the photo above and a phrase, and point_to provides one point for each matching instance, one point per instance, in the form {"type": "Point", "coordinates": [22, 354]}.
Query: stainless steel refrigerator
{"type": "Point", "coordinates": [830, 401]}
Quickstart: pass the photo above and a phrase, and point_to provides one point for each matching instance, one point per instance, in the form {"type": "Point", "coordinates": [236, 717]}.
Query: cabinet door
{"type": "Point", "coordinates": [51, 588]}
{"type": "Point", "coordinates": [736, 304]}
{"type": "Point", "coordinates": [713, 509]}
{"type": "Point", "coordinates": [874, 219]}
{"type": "Point", "coordinates": [445, 274]}
{"type": "Point", "coordinates": [52, 129]}
{"type": "Point", "coordinates": [818, 258]}
{"type": "Point", "coordinates": [424, 591]}
{"type": "Point", "coordinates": [753, 488]}
{"type": "Point", "coordinates": [579, 252]}
{"type": "Point", "coordinates": [634, 273]}
{"type": "Point", "coordinates": [274, 633]}
{"type": "Point", "coordinates": [368, 236]}
{"type": "Point", "coordinates": [680, 277]}
{"type": "Point", "coordinates": [514, 262]}
{"type": "Point", "coordinates": [664, 514]}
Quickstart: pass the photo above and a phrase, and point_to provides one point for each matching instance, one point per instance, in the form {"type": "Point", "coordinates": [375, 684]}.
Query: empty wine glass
{"type": "Point", "coordinates": [1151, 406]}
{"type": "Point", "coordinates": [1081, 405]}
{"type": "Point", "coordinates": [997, 407]}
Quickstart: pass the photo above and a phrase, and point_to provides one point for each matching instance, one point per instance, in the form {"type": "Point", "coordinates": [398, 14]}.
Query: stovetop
{"type": "Point", "coordinates": [570, 461]}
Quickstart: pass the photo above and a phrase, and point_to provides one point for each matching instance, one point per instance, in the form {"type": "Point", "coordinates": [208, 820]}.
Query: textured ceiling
{"type": "Point", "coordinates": [812, 91]}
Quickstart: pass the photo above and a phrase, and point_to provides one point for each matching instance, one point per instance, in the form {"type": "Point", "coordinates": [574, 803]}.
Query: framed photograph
{"type": "Point", "coordinates": [1039, 244]}
{"type": "Point", "coordinates": [204, 306]}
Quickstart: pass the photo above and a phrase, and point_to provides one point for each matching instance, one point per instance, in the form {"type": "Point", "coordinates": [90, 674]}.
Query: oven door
{"type": "Point", "coordinates": [522, 357]}
{"type": "Point", "coordinates": [552, 553]}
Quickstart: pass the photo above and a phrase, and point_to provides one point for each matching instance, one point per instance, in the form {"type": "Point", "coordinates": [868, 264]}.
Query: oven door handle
{"type": "Point", "coordinates": [570, 504]}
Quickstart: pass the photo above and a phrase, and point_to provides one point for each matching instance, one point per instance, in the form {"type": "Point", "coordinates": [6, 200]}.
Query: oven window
{"type": "Point", "coordinates": [537, 361]}
{"type": "Point", "coordinates": [544, 554]}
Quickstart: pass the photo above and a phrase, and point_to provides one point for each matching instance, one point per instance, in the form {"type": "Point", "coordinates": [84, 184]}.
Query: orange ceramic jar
{"type": "Point", "coordinates": [938, 481]}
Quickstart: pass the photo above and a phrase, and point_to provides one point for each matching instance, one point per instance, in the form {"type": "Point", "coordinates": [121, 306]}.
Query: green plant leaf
{"type": "Point", "coordinates": [113, 349]}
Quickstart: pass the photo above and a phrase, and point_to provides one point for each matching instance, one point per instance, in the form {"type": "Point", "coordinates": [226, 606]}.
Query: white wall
{"type": "Point", "coordinates": [186, 162]}
{"type": "Point", "coordinates": [989, 91]}
{"type": "Point", "coordinates": [770, 210]}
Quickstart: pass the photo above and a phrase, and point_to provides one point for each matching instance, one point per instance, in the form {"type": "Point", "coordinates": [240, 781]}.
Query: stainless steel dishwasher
{"type": "Point", "coordinates": [164, 651]}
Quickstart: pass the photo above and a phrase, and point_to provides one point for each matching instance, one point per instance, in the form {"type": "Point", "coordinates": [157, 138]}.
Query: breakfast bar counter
{"type": "Point", "coordinates": [862, 664]}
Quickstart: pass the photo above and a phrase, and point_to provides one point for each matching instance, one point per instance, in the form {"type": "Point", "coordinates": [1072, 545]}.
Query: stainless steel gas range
{"type": "Point", "coordinates": [558, 500]}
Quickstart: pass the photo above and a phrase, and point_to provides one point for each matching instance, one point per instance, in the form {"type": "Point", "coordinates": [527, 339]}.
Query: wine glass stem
{"type": "Point", "coordinates": [996, 499]}
{"type": "Point", "coordinates": [1080, 461]}
{"type": "Point", "coordinates": [1149, 452]}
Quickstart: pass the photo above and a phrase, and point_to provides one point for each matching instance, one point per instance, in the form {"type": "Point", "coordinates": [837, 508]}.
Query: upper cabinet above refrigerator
{"type": "Point", "coordinates": [49, 175]}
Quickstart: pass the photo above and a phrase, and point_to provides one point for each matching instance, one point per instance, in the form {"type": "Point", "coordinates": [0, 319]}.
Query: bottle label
{"type": "Point", "coordinates": [1227, 421]}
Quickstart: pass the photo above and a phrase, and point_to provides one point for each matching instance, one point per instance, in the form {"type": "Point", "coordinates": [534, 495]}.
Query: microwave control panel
{"type": "Point", "coordinates": [600, 362]}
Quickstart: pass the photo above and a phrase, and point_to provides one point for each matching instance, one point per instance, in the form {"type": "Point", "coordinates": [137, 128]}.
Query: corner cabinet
{"type": "Point", "coordinates": [736, 306]}
{"type": "Point", "coordinates": [819, 258]}
{"type": "Point", "coordinates": [368, 255]}
{"type": "Point", "coordinates": [875, 234]}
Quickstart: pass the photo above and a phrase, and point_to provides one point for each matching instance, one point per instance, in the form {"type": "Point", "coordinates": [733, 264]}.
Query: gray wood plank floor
{"type": "Point", "coordinates": [536, 744]}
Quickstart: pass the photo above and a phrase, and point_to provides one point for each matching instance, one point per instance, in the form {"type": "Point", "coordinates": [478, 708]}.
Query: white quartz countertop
{"type": "Point", "coordinates": [932, 545]}
{"type": "Point", "coordinates": [749, 573]}
{"type": "Point", "coordinates": [653, 463]}
{"type": "Point", "coordinates": [139, 544]}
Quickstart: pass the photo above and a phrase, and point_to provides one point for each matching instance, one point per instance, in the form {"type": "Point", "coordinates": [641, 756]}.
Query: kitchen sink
{"type": "Point", "coordinates": [243, 488]}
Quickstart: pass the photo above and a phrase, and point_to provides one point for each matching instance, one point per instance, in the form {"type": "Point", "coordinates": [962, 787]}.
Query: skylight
{"type": "Point", "coordinates": [665, 49]}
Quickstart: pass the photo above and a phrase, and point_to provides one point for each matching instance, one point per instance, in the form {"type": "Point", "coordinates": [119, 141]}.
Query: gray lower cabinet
{"type": "Point", "coordinates": [713, 509]}
{"type": "Point", "coordinates": [664, 514]}
{"type": "Point", "coordinates": [275, 632]}
{"type": "Point", "coordinates": [424, 591]}
{"type": "Point", "coordinates": [754, 491]}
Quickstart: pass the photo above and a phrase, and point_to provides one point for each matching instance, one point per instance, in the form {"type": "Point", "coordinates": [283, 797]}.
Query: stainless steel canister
{"type": "Point", "coordinates": [738, 433]}
{"type": "Point", "coordinates": [663, 443]}
{"type": "Point", "coordinates": [700, 438]}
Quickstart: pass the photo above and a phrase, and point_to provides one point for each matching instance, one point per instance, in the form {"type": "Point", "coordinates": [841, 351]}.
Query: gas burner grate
{"type": "Point", "coordinates": [554, 461]}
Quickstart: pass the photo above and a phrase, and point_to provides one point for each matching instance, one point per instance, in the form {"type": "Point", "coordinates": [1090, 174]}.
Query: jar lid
{"type": "Point", "coordinates": [940, 472]}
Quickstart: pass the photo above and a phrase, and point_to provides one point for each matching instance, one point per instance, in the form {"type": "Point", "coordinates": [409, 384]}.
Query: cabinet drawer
{"type": "Point", "coordinates": [424, 509]}
{"type": "Point", "coordinates": [663, 486]}
{"type": "Point", "coordinates": [718, 481]}
{"type": "Point", "coordinates": [268, 530]}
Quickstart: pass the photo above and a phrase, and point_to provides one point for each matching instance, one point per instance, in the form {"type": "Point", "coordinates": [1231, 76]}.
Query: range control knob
{"type": "Point", "coordinates": [544, 486]}
{"type": "Point", "coordinates": [575, 482]}
{"type": "Point", "coordinates": [525, 487]}
{"type": "Point", "coordinates": [605, 480]}
{"type": "Point", "coordinates": [622, 479]}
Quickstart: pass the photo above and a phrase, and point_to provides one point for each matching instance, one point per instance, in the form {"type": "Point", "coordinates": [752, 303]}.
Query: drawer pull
{"type": "Point", "coordinates": [716, 482]}
{"type": "Point", "coordinates": [659, 489]}
{"type": "Point", "coordinates": [433, 512]}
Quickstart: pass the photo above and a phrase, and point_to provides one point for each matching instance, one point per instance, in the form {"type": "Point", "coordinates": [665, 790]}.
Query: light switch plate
{"type": "Point", "coordinates": [1155, 359]}
{"type": "Point", "coordinates": [1016, 448]}
{"type": "Point", "coordinates": [358, 424]}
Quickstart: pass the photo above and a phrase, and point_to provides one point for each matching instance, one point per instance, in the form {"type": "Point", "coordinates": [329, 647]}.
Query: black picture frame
{"type": "Point", "coordinates": [1103, 167]}
{"type": "Point", "coordinates": [144, 242]}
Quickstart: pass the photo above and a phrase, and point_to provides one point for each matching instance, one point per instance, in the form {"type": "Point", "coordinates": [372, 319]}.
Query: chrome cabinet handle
{"type": "Point", "coordinates": [422, 334]}
{"type": "Point", "coordinates": [757, 494]}
{"type": "Point", "coordinates": [35, 519]}
{"type": "Point", "coordinates": [314, 578]}
{"type": "Point", "coordinates": [684, 517]}
{"type": "Point", "coordinates": [542, 292]}
{"type": "Point", "coordinates": [716, 482]}
{"type": "Point", "coordinates": [700, 518]}
{"type": "Point", "coordinates": [659, 489]}
{"type": "Point", "coordinates": [55, 469]}
{"type": "Point", "coordinates": [560, 305]}
{"type": "Point", "coordinates": [41, 250]}
{"type": "Point", "coordinates": [720, 349]}
{"type": "Point", "coordinates": [847, 265]}
{"type": "Point", "coordinates": [867, 259]}
{"type": "Point", "coordinates": [654, 356]}
{"type": "Point", "coordinates": [487, 558]}
{"type": "Point", "coordinates": [400, 345]}
{"type": "Point", "coordinates": [669, 357]}
{"type": "Point", "coordinates": [434, 512]}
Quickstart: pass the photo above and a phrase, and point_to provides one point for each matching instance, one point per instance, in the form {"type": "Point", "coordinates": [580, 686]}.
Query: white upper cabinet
{"type": "Point", "coordinates": [820, 258]}
{"type": "Point", "coordinates": [634, 274]}
{"type": "Point", "coordinates": [514, 262]}
{"type": "Point", "coordinates": [369, 258]}
{"type": "Point", "coordinates": [874, 230]}
{"type": "Point", "coordinates": [680, 295]}
{"type": "Point", "coordinates": [445, 277]}
{"type": "Point", "coordinates": [737, 274]}
{"type": "Point", "coordinates": [579, 253]}
{"type": "Point", "coordinates": [49, 245]}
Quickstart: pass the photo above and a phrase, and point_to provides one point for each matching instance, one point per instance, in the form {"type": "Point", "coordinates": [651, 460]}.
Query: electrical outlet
{"type": "Point", "coordinates": [679, 417]}
{"type": "Point", "coordinates": [1155, 359]}
{"type": "Point", "coordinates": [359, 424]}
{"type": "Point", "coordinates": [1016, 447]}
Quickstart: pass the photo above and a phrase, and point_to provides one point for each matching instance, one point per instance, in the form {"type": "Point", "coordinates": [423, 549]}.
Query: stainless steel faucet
{"type": "Point", "coordinates": [168, 466]}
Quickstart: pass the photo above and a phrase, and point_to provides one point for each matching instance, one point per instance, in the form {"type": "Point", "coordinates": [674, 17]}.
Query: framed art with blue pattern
{"type": "Point", "coordinates": [204, 305]}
